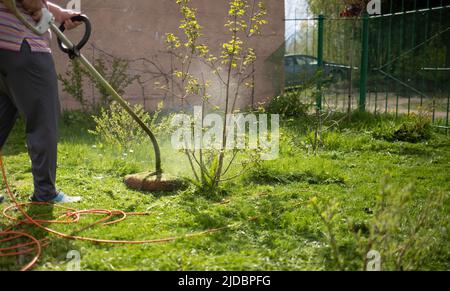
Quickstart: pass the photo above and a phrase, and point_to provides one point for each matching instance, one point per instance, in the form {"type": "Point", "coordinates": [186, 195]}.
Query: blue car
{"type": "Point", "coordinates": [299, 69]}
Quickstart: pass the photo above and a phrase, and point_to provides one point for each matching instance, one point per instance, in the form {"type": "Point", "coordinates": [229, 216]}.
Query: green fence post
{"type": "Point", "coordinates": [448, 104]}
{"type": "Point", "coordinates": [364, 63]}
{"type": "Point", "coordinates": [320, 61]}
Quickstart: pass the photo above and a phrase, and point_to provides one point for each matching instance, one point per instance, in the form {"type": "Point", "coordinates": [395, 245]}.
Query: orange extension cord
{"type": "Point", "coordinates": [71, 216]}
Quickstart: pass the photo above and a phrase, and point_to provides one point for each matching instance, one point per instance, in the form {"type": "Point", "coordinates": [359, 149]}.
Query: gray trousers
{"type": "Point", "coordinates": [28, 86]}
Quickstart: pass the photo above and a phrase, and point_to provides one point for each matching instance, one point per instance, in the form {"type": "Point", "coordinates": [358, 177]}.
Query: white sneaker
{"type": "Point", "coordinates": [63, 198]}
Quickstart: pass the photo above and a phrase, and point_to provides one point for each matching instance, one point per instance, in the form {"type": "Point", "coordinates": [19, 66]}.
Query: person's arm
{"type": "Point", "coordinates": [63, 15]}
{"type": "Point", "coordinates": [34, 7]}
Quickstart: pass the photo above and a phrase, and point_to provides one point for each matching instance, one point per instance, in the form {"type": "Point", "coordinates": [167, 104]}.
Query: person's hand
{"type": "Point", "coordinates": [64, 16]}
{"type": "Point", "coordinates": [34, 8]}
{"type": "Point", "coordinates": [37, 15]}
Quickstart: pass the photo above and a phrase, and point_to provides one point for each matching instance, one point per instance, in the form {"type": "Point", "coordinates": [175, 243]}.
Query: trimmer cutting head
{"type": "Point", "coordinates": [153, 182]}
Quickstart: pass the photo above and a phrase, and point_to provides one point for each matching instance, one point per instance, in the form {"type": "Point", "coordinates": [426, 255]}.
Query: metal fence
{"type": "Point", "coordinates": [394, 63]}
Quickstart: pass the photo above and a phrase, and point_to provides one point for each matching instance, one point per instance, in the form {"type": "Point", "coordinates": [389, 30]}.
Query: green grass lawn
{"type": "Point", "coordinates": [272, 226]}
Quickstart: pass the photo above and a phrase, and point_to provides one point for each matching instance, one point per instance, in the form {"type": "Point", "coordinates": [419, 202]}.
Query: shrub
{"type": "Point", "coordinates": [115, 126]}
{"type": "Point", "coordinates": [73, 82]}
{"type": "Point", "coordinates": [115, 71]}
{"type": "Point", "coordinates": [415, 128]}
{"type": "Point", "coordinates": [290, 104]}
{"type": "Point", "coordinates": [405, 234]}
{"type": "Point", "coordinates": [78, 118]}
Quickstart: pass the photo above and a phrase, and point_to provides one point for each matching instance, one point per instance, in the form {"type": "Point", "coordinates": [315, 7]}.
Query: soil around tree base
{"type": "Point", "coordinates": [151, 182]}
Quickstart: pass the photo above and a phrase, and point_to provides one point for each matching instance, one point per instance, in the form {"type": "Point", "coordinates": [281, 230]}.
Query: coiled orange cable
{"type": "Point", "coordinates": [71, 216]}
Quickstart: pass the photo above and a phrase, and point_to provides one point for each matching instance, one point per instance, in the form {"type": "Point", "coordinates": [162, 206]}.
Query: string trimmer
{"type": "Point", "coordinates": [149, 181]}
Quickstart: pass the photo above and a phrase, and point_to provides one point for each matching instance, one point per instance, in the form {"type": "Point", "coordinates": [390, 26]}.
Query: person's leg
{"type": "Point", "coordinates": [8, 113]}
{"type": "Point", "coordinates": [32, 82]}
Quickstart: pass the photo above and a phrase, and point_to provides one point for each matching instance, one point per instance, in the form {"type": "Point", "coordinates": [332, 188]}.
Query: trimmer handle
{"type": "Point", "coordinates": [44, 24]}
{"type": "Point", "coordinates": [73, 52]}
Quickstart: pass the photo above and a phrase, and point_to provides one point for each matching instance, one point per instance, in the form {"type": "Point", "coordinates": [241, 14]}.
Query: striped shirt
{"type": "Point", "coordinates": [13, 32]}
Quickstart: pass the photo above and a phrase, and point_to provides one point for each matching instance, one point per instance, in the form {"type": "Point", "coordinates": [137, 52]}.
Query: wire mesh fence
{"type": "Point", "coordinates": [394, 63]}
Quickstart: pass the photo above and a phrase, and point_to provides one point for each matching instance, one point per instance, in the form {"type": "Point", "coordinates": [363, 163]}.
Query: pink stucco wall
{"type": "Point", "coordinates": [136, 29]}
